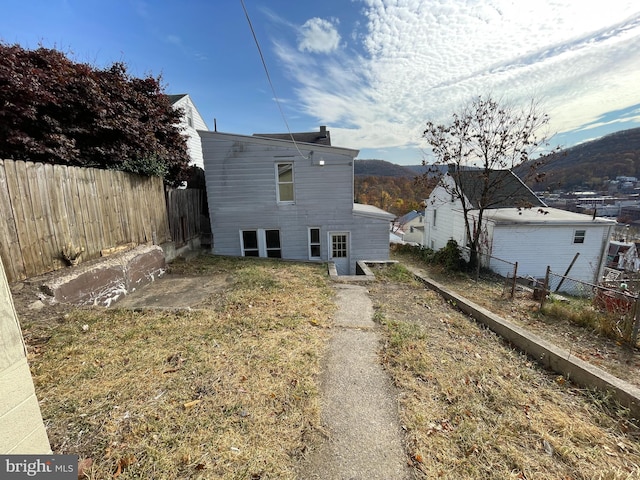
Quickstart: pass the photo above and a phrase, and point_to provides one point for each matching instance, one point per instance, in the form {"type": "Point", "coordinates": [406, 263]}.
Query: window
{"type": "Point", "coordinates": [189, 116]}
{"type": "Point", "coordinates": [250, 243]}
{"type": "Point", "coordinates": [314, 243]}
{"type": "Point", "coordinates": [434, 217]}
{"type": "Point", "coordinates": [272, 242]}
{"type": "Point", "coordinates": [285, 182]}
{"type": "Point", "coordinates": [339, 246]}
{"type": "Point", "coordinates": [578, 236]}
{"type": "Point", "coordinates": [261, 243]}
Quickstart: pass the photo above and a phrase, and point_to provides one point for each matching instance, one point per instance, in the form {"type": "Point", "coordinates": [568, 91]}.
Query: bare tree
{"type": "Point", "coordinates": [481, 147]}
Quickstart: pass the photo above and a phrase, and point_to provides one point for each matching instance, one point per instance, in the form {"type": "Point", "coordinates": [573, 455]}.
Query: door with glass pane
{"type": "Point", "coordinates": [339, 251]}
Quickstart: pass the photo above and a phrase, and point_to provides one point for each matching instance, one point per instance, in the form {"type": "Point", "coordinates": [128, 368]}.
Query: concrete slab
{"type": "Point", "coordinates": [104, 281]}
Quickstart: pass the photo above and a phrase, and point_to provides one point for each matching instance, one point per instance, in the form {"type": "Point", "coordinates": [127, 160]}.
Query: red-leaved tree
{"type": "Point", "coordinates": [54, 110]}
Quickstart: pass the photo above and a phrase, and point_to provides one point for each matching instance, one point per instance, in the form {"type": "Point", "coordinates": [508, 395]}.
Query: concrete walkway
{"type": "Point", "coordinates": [358, 402]}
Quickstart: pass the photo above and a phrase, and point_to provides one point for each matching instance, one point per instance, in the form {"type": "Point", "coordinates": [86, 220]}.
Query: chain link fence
{"type": "Point", "coordinates": [611, 307]}
{"type": "Point", "coordinates": [495, 269]}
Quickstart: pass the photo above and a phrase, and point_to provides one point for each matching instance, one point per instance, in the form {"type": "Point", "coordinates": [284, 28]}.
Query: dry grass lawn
{"type": "Point", "coordinates": [474, 408]}
{"type": "Point", "coordinates": [229, 390]}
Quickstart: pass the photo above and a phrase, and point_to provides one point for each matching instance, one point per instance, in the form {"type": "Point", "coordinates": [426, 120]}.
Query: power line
{"type": "Point", "coordinates": [266, 70]}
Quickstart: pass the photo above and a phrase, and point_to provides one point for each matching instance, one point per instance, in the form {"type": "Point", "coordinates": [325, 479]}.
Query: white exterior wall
{"type": "Point", "coordinates": [194, 146]}
{"type": "Point", "coordinates": [449, 223]}
{"type": "Point", "coordinates": [536, 247]}
{"type": "Point", "coordinates": [417, 236]}
{"type": "Point", "coordinates": [240, 174]}
{"type": "Point", "coordinates": [22, 430]}
{"type": "Point", "coordinates": [534, 243]}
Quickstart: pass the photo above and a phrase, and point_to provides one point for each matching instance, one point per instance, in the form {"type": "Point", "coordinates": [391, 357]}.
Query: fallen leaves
{"type": "Point", "coordinates": [122, 464]}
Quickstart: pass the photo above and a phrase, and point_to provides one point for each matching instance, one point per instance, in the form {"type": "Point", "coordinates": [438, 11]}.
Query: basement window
{"type": "Point", "coordinates": [578, 236]}
{"type": "Point", "coordinates": [261, 243]}
{"type": "Point", "coordinates": [314, 243]}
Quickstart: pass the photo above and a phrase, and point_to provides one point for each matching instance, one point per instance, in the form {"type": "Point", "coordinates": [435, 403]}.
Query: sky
{"type": "Point", "coordinates": [373, 71]}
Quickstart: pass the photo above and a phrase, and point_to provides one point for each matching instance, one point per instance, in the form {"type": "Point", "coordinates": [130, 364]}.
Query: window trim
{"type": "Point", "coordinates": [281, 183]}
{"type": "Point", "coordinates": [243, 249]}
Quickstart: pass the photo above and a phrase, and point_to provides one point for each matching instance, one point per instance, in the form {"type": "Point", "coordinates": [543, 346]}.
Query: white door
{"type": "Point", "coordinates": [339, 251]}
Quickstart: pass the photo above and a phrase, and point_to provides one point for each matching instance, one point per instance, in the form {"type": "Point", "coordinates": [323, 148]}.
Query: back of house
{"type": "Point", "coordinates": [273, 197]}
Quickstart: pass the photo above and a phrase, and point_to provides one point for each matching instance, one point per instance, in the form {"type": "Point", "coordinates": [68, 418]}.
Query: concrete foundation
{"type": "Point", "coordinates": [104, 282]}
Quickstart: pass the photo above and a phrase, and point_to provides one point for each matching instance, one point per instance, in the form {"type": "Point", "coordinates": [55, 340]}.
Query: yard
{"type": "Point", "coordinates": [228, 389]}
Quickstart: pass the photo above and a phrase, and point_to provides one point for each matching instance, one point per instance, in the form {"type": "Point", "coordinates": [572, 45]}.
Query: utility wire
{"type": "Point", "coordinates": [273, 90]}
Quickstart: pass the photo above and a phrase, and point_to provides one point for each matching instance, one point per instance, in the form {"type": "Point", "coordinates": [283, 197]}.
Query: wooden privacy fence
{"type": "Point", "coordinates": [185, 208]}
{"type": "Point", "coordinates": [47, 207]}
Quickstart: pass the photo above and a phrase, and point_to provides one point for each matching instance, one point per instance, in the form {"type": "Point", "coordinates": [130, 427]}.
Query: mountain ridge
{"type": "Point", "coordinates": [589, 164]}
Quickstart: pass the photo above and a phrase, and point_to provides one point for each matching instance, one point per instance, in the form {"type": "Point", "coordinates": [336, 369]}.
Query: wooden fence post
{"type": "Point", "coordinates": [515, 277]}
{"type": "Point", "coordinates": [545, 287]}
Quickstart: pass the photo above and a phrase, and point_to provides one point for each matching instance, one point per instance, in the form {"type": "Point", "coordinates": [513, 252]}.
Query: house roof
{"type": "Point", "coordinates": [174, 98]}
{"type": "Point", "coordinates": [617, 248]}
{"type": "Point", "coordinates": [323, 137]}
{"type": "Point", "coordinates": [504, 188]}
{"type": "Point", "coordinates": [371, 211]}
{"type": "Point", "coordinates": [259, 140]}
{"type": "Point", "coordinates": [407, 217]}
{"type": "Point", "coordinates": [541, 216]}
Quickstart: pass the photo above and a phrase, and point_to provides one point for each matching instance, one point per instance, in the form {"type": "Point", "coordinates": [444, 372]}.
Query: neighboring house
{"type": "Point", "coordinates": [616, 254]}
{"type": "Point", "coordinates": [410, 227]}
{"type": "Point", "coordinates": [191, 122]}
{"type": "Point", "coordinates": [629, 261]}
{"type": "Point", "coordinates": [273, 197]}
{"type": "Point", "coordinates": [519, 227]}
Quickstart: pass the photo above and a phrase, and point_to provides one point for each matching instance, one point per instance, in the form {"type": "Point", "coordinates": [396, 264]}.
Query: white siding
{"type": "Point", "coordinates": [449, 221]}
{"type": "Point", "coordinates": [536, 247]}
{"type": "Point", "coordinates": [241, 188]}
{"type": "Point", "coordinates": [194, 146]}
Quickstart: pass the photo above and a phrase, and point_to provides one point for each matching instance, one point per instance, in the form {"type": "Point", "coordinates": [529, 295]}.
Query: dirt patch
{"type": "Point", "coordinates": [174, 291]}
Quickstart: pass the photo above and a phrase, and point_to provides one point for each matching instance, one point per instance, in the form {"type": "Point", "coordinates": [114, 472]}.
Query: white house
{"type": "Point", "coordinates": [519, 227]}
{"type": "Point", "coordinates": [191, 122]}
{"type": "Point", "coordinates": [283, 198]}
{"type": "Point", "coordinates": [410, 227]}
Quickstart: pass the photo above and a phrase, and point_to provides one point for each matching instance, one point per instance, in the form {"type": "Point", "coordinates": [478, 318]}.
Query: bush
{"type": "Point", "coordinates": [449, 257]}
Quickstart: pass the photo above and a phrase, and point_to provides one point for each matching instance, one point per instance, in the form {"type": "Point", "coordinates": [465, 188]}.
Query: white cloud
{"type": "Point", "coordinates": [421, 59]}
{"type": "Point", "coordinates": [318, 36]}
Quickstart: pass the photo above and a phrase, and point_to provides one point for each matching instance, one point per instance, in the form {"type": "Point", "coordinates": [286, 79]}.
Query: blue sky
{"type": "Point", "coordinates": [373, 71]}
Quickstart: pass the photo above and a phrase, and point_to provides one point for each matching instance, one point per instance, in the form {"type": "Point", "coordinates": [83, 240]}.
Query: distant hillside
{"type": "Point", "coordinates": [389, 186]}
{"type": "Point", "coordinates": [585, 166]}
{"type": "Point", "coordinates": [381, 168]}
{"type": "Point", "coordinates": [590, 164]}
